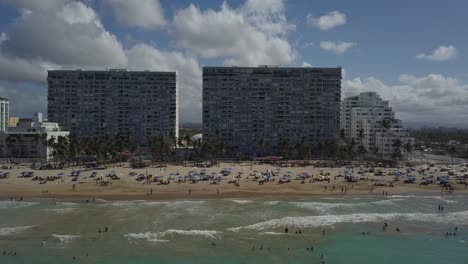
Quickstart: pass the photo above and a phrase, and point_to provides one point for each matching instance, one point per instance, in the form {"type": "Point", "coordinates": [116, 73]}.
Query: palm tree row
{"type": "Point", "coordinates": [72, 150]}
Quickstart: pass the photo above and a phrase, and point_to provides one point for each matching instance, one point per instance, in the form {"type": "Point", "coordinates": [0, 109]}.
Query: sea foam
{"type": "Point", "coordinates": [60, 210]}
{"type": "Point", "coordinates": [329, 220]}
{"type": "Point", "coordinates": [65, 238]}
{"type": "Point", "coordinates": [326, 208]}
{"type": "Point", "coordinates": [241, 201]}
{"type": "Point", "coordinates": [9, 231]}
{"type": "Point", "coordinates": [204, 233]}
{"type": "Point", "coordinates": [158, 237]}
{"type": "Point", "coordinates": [15, 204]}
{"type": "Point", "coordinates": [148, 236]}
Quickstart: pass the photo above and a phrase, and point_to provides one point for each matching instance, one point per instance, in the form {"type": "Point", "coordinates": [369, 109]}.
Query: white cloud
{"type": "Point", "coordinates": [71, 34]}
{"type": "Point", "coordinates": [35, 5]}
{"type": "Point", "coordinates": [306, 64]}
{"type": "Point", "coordinates": [338, 47]}
{"type": "Point", "coordinates": [78, 13]}
{"type": "Point", "coordinates": [147, 14]}
{"type": "Point", "coordinates": [250, 35]}
{"type": "Point", "coordinates": [328, 21]}
{"type": "Point", "coordinates": [442, 53]}
{"type": "Point", "coordinates": [418, 99]}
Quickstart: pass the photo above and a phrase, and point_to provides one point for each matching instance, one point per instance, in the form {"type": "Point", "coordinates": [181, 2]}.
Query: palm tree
{"type": "Point", "coordinates": [452, 151]}
{"type": "Point", "coordinates": [52, 147]}
{"type": "Point", "coordinates": [261, 146]}
{"type": "Point", "coordinates": [160, 148]}
{"type": "Point", "coordinates": [361, 135]}
{"type": "Point", "coordinates": [396, 153]}
{"type": "Point", "coordinates": [12, 142]}
{"type": "Point", "coordinates": [286, 150]}
{"type": "Point", "coordinates": [40, 139]}
{"type": "Point", "coordinates": [342, 136]}
{"type": "Point", "coordinates": [180, 142]}
{"type": "Point", "coordinates": [408, 149]}
{"type": "Point", "coordinates": [307, 148]}
{"type": "Point", "coordinates": [361, 151]}
{"type": "Point", "coordinates": [188, 141]}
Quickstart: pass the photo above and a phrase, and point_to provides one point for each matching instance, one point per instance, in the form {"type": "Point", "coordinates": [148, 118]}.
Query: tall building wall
{"type": "Point", "coordinates": [254, 109]}
{"type": "Point", "coordinates": [4, 113]}
{"type": "Point", "coordinates": [142, 104]}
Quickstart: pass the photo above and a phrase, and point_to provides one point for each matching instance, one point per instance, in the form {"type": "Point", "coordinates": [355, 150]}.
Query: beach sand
{"type": "Point", "coordinates": [127, 188]}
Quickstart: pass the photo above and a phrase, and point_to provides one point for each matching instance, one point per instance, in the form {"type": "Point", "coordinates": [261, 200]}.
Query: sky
{"type": "Point", "coordinates": [412, 52]}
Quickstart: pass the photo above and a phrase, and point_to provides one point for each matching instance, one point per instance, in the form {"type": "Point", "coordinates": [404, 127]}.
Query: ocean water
{"type": "Point", "coordinates": [237, 230]}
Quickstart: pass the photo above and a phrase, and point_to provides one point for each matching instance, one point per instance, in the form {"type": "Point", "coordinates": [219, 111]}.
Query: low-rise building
{"type": "Point", "coordinates": [27, 139]}
{"type": "Point", "coordinates": [13, 121]}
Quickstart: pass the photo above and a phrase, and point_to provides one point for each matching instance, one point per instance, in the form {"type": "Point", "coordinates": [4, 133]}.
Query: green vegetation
{"type": "Point", "coordinates": [440, 135]}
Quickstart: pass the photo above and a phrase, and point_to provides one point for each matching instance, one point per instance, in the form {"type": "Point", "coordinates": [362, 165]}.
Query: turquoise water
{"type": "Point", "coordinates": [237, 231]}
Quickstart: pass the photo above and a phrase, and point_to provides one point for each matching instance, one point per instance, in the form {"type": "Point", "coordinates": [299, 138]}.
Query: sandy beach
{"type": "Point", "coordinates": [127, 187]}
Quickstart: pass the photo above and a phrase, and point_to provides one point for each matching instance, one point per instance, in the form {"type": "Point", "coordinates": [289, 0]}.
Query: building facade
{"type": "Point", "coordinates": [24, 140]}
{"type": "Point", "coordinates": [255, 109]}
{"type": "Point", "coordinates": [141, 104]}
{"type": "Point", "coordinates": [13, 121]}
{"type": "Point", "coordinates": [4, 113]}
{"type": "Point", "coordinates": [370, 122]}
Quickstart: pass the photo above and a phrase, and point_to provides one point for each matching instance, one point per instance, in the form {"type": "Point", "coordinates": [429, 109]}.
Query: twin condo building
{"type": "Point", "coordinates": [243, 106]}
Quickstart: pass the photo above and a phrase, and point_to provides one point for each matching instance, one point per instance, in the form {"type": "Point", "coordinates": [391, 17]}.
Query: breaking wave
{"type": "Point", "coordinates": [150, 237]}
{"type": "Point", "coordinates": [158, 237]}
{"type": "Point", "coordinates": [329, 220]}
{"type": "Point", "coordinates": [15, 204]}
{"type": "Point", "coordinates": [241, 201]}
{"type": "Point", "coordinates": [65, 238]}
{"type": "Point", "coordinates": [60, 210]}
{"type": "Point", "coordinates": [9, 231]}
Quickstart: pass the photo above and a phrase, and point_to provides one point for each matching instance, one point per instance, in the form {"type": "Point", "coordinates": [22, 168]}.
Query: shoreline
{"type": "Point", "coordinates": [171, 196]}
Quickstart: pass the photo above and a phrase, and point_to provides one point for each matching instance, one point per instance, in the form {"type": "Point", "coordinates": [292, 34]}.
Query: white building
{"type": "Point", "coordinates": [4, 113]}
{"type": "Point", "coordinates": [370, 122]}
{"type": "Point", "coordinates": [23, 141]}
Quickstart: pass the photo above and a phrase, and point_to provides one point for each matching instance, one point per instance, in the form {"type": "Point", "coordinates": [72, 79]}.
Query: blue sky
{"type": "Point", "coordinates": [386, 46]}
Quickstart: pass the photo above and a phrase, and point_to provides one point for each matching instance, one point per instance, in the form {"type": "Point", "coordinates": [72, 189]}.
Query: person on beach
{"type": "Point", "coordinates": [286, 230]}
{"type": "Point", "coordinates": [105, 229]}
